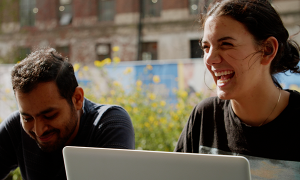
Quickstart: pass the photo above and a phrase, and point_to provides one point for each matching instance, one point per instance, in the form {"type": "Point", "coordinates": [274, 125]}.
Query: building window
{"type": "Point", "coordinates": [64, 51]}
{"type": "Point", "coordinates": [23, 52]}
{"type": "Point", "coordinates": [106, 10]}
{"type": "Point", "coordinates": [151, 8]}
{"type": "Point", "coordinates": [103, 51]}
{"type": "Point", "coordinates": [149, 51]}
{"type": "Point", "coordinates": [27, 12]}
{"type": "Point", "coordinates": [196, 51]}
{"type": "Point", "coordinates": [65, 12]}
{"type": "Point", "coordinates": [199, 6]}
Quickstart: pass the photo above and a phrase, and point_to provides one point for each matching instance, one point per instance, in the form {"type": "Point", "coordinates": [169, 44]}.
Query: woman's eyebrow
{"type": "Point", "coordinates": [219, 40]}
{"type": "Point", "coordinates": [226, 38]}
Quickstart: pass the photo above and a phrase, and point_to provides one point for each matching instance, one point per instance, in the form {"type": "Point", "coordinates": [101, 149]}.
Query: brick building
{"type": "Point", "coordinates": [87, 30]}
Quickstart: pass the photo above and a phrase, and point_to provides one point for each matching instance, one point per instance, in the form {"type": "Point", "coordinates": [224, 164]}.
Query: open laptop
{"type": "Point", "coordinates": [118, 164]}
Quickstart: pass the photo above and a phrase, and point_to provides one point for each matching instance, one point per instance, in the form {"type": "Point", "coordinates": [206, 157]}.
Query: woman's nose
{"type": "Point", "coordinates": [212, 57]}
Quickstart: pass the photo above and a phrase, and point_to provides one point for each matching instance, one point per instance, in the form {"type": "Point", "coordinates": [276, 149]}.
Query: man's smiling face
{"type": "Point", "coordinates": [47, 117]}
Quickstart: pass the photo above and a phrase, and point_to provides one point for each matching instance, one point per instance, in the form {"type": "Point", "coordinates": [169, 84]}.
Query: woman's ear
{"type": "Point", "coordinates": [270, 49]}
{"type": "Point", "coordinates": [78, 97]}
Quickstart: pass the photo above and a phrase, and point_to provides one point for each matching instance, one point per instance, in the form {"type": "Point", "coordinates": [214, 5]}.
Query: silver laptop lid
{"type": "Point", "coordinates": [118, 164]}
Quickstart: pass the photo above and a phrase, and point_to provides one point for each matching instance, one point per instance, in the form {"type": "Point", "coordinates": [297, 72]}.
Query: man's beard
{"type": "Point", "coordinates": [62, 139]}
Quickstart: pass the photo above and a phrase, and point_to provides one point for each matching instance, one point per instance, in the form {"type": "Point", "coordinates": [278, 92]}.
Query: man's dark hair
{"type": "Point", "coordinates": [44, 65]}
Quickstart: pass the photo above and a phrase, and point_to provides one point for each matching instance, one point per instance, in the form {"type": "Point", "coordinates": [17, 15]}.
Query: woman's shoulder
{"type": "Point", "coordinates": [293, 93]}
{"type": "Point", "coordinates": [294, 98]}
{"type": "Point", "coordinates": [211, 103]}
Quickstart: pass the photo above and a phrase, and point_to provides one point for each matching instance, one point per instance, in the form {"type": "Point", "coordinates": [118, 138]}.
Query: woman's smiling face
{"type": "Point", "coordinates": [231, 56]}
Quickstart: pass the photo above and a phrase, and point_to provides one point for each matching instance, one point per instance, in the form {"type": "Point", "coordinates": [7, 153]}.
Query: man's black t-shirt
{"type": "Point", "coordinates": [272, 149]}
{"type": "Point", "coordinates": [100, 126]}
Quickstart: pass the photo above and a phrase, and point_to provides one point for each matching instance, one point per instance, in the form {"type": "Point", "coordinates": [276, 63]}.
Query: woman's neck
{"type": "Point", "coordinates": [260, 106]}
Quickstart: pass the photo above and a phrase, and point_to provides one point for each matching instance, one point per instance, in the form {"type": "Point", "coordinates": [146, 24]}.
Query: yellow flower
{"type": "Point", "coordinates": [128, 70]}
{"type": "Point", "coordinates": [163, 120]}
{"type": "Point", "coordinates": [151, 96]}
{"type": "Point", "coordinates": [85, 68]}
{"type": "Point", "coordinates": [139, 83]}
{"type": "Point", "coordinates": [128, 109]}
{"type": "Point", "coordinates": [159, 111]}
{"type": "Point", "coordinates": [102, 100]}
{"type": "Point", "coordinates": [198, 94]}
{"type": "Point", "coordinates": [80, 74]}
{"type": "Point", "coordinates": [120, 100]}
{"type": "Point", "coordinates": [135, 110]}
{"type": "Point", "coordinates": [156, 79]}
{"type": "Point", "coordinates": [109, 100]}
{"type": "Point", "coordinates": [117, 83]}
{"type": "Point", "coordinates": [149, 67]}
{"type": "Point", "coordinates": [112, 92]}
{"type": "Point", "coordinates": [151, 119]}
{"type": "Point", "coordinates": [162, 103]}
{"type": "Point", "coordinates": [7, 90]}
{"type": "Point", "coordinates": [116, 48]}
{"type": "Point", "coordinates": [116, 60]}
{"type": "Point", "coordinates": [175, 117]}
{"type": "Point", "coordinates": [179, 112]}
{"type": "Point", "coordinates": [171, 125]}
{"type": "Point", "coordinates": [182, 93]}
{"type": "Point", "coordinates": [180, 106]}
{"type": "Point", "coordinates": [98, 63]}
{"type": "Point", "coordinates": [139, 89]}
{"type": "Point", "coordinates": [76, 67]}
{"type": "Point", "coordinates": [147, 124]}
{"type": "Point", "coordinates": [154, 105]}
{"type": "Point", "coordinates": [107, 61]}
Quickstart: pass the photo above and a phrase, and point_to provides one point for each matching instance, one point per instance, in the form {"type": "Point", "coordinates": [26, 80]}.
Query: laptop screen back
{"type": "Point", "coordinates": [116, 164]}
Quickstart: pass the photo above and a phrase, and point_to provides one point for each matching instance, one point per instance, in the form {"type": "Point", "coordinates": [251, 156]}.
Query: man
{"type": "Point", "coordinates": [53, 113]}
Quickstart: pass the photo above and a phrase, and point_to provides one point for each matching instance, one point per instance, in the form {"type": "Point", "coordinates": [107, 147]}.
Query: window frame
{"type": "Point", "coordinates": [27, 15]}
{"type": "Point", "coordinates": [146, 48]}
{"type": "Point", "coordinates": [101, 57]}
{"type": "Point", "coordinates": [65, 12]}
{"type": "Point", "coordinates": [151, 9]}
{"type": "Point", "coordinates": [62, 50]}
{"type": "Point", "coordinates": [195, 49]}
{"type": "Point", "coordinates": [109, 13]}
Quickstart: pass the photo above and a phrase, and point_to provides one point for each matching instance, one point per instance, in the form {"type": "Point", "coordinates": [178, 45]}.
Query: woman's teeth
{"type": "Point", "coordinates": [222, 73]}
{"type": "Point", "coordinates": [223, 81]}
{"type": "Point", "coordinates": [224, 76]}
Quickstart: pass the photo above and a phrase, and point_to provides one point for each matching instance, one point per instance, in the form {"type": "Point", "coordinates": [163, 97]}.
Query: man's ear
{"type": "Point", "coordinates": [78, 97]}
{"type": "Point", "coordinates": [270, 48]}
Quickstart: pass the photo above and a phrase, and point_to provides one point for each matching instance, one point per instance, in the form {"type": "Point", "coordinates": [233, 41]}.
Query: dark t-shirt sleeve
{"type": "Point", "coordinates": [115, 130]}
{"type": "Point", "coordinates": [188, 140]}
{"type": "Point", "coordinates": [8, 160]}
{"type": "Point", "coordinates": [202, 114]}
{"type": "Point", "coordinates": [105, 126]}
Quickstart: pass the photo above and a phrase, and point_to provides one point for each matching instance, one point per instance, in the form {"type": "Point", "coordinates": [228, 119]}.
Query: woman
{"type": "Point", "coordinates": [245, 44]}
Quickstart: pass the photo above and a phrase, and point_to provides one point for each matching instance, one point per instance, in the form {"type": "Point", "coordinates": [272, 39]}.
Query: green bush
{"type": "Point", "coordinates": [157, 123]}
